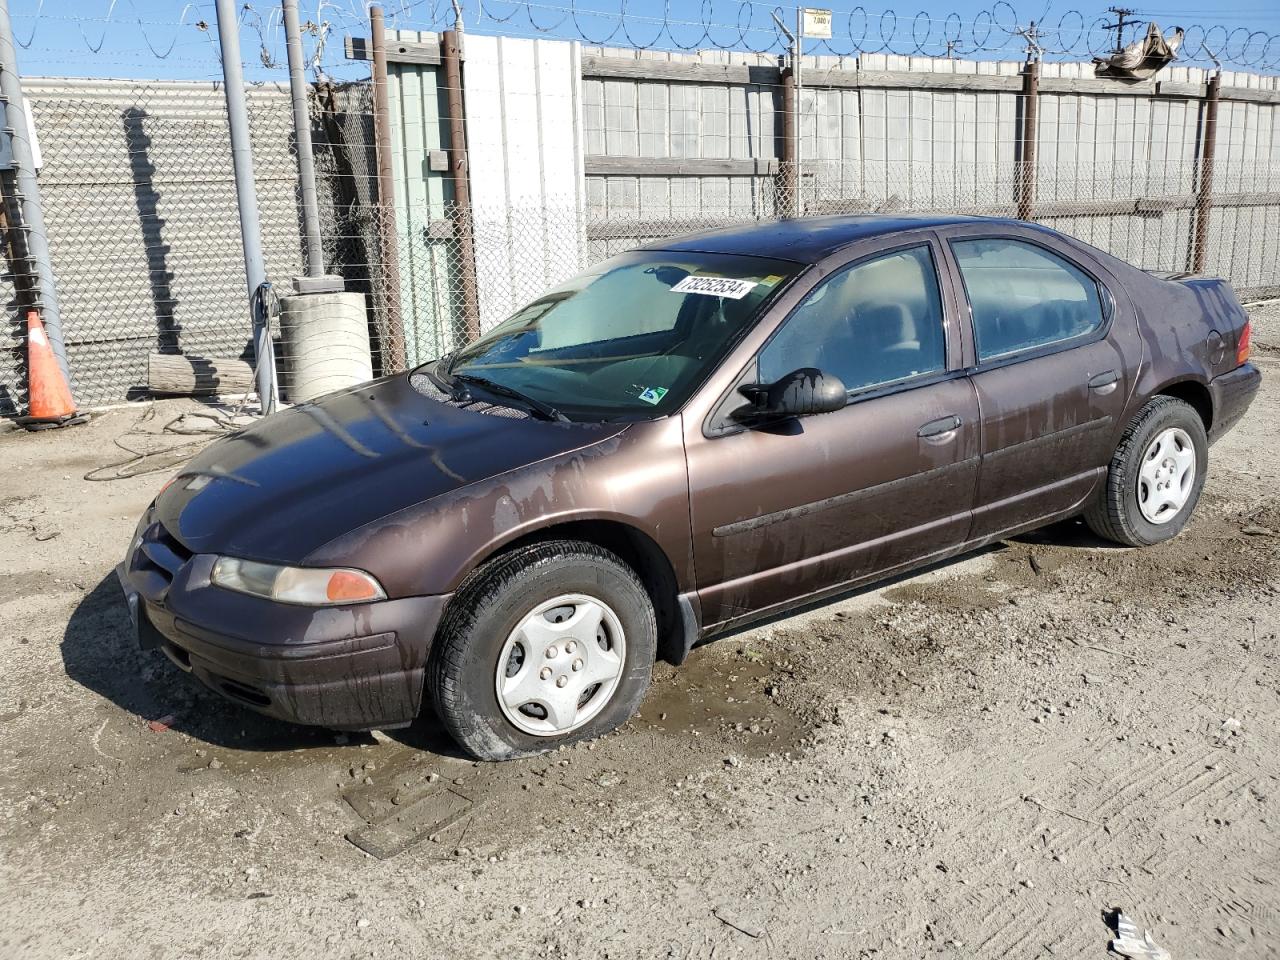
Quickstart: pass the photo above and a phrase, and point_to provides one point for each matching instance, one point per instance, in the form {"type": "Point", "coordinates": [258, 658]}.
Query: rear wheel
{"type": "Point", "coordinates": [1155, 477]}
{"type": "Point", "coordinates": [547, 645]}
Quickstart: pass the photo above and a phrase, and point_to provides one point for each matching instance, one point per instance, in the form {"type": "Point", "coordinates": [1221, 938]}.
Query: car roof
{"type": "Point", "coordinates": [810, 239]}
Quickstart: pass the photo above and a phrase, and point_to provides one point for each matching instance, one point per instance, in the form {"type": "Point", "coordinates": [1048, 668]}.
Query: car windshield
{"type": "Point", "coordinates": [630, 338]}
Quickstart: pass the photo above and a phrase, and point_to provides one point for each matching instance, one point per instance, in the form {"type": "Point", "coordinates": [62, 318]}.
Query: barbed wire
{"type": "Point", "coordinates": [723, 25]}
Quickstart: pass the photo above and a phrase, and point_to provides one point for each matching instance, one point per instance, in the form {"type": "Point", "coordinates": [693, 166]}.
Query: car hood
{"type": "Point", "coordinates": [292, 482]}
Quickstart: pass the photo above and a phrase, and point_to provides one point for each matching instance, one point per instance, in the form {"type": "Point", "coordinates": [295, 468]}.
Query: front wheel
{"type": "Point", "coordinates": [549, 644]}
{"type": "Point", "coordinates": [1155, 476]}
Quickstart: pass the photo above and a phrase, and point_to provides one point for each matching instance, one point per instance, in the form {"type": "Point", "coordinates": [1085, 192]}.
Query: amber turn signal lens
{"type": "Point", "coordinates": [347, 586]}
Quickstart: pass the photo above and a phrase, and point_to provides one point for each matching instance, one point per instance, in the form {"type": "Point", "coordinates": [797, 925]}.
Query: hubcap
{"type": "Point", "coordinates": [560, 665]}
{"type": "Point", "coordinates": [1167, 475]}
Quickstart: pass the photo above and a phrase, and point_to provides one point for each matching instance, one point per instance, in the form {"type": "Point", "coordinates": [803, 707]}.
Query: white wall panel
{"type": "Point", "coordinates": [528, 114]}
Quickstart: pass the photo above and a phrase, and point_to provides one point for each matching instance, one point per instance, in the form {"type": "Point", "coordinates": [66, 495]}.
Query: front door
{"type": "Point", "coordinates": [1052, 347]}
{"type": "Point", "coordinates": [786, 512]}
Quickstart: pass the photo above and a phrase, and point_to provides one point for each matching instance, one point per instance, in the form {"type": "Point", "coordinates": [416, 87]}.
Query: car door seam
{"type": "Point", "coordinates": [817, 506]}
{"type": "Point", "coordinates": [1098, 423]}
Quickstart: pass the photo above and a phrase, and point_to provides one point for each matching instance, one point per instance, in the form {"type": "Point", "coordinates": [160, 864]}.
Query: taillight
{"type": "Point", "coordinates": [1243, 344]}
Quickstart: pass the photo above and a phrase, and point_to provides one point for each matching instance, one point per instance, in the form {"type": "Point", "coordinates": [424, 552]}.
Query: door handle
{"type": "Point", "coordinates": [1104, 382]}
{"type": "Point", "coordinates": [936, 428]}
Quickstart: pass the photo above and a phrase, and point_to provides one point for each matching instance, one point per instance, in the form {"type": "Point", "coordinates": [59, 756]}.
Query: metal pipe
{"type": "Point", "coordinates": [1026, 182]}
{"type": "Point", "coordinates": [389, 255]}
{"type": "Point", "coordinates": [255, 270]}
{"type": "Point", "coordinates": [1204, 195]}
{"type": "Point", "coordinates": [32, 224]}
{"type": "Point", "coordinates": [302, 140]}
{"type": "Point", "coordinates": [796, 58]}
{"type": "Point", "coordinates": [26, 286]}
{"type": "Point", "coordinates": [451, 58]}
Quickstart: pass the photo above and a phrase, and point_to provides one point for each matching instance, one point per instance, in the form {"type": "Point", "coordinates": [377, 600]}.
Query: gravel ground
{"type": "Point", "coordinates": [976, 761]}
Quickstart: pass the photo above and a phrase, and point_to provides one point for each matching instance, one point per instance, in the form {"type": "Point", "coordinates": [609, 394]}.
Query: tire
{"type": "Point", "coordinates": [492, 617]}
{"type": "Point", "coordinates": [1119, 513]}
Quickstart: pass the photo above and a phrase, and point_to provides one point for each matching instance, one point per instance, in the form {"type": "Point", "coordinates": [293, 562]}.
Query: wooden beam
{"type": "Point", "coordinates": [911, 80]}
{"type": "Point", "coordinates": [625, 68]}
{"type": "Point", "coordinates": [605, 166]}
{"type": "Point", "coordinates": [1097, 86]}
{"type": "Point", "coordinates": [189, 375]}
{"type": "Point", "coordinates": [421, 52]}
{"type": "Point", "coordinates": [1249, 95]}
{"type": "Point", "coordinates": [1182, 91]}
{"type": "Point", "coordinates": [838, 78]}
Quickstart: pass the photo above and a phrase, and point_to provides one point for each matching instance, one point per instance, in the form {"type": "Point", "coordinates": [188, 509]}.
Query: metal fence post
{"type": "Point", "coordinates": [28, 193]}
{"type": "Point", "coordinates": [451, 55]}
{"type": "Point", "coordinates": [1204, 193]}
{"type": "Point", "coordinates": [1026, 180]}
{"type": "Point", "coordinates": [302, 140]}
{"type": "Point", "coordinates": [798, 128]}
{"type": "Point", "coordinates": [246, 200]}
{"type": "Point", "coordinates": [393, 350]}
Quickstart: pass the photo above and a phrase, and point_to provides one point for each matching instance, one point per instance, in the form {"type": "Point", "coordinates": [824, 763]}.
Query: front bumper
{"type": "Point", "coordinates": [358, 667]}
{"type": "Point", "coordinates": [1231, 394]}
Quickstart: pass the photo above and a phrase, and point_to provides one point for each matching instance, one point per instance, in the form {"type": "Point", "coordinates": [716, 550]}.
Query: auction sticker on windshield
{"type": "Point", "coordinates": [715, 286]}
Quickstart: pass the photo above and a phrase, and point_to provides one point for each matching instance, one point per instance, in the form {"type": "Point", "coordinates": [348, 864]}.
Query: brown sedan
{"type": "Point", "coordinates": [685, 438]}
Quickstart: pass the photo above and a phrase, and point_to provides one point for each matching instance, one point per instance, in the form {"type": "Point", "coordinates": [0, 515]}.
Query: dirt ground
{"type": "Point", "coordinates": [973, 762]}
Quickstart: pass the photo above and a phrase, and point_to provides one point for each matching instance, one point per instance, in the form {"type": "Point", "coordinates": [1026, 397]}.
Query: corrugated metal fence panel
{"type": "Point", "coordinates": [524, 143]}
{"type": "Point", "coordinates": [140, 206]}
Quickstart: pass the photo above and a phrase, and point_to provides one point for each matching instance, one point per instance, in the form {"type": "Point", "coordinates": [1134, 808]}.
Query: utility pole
{"type": "Point", "coordinates": [255, 270]}
{"type": "Point", "coordinates": [791, 116]}
{"type": "Point", "coordinates": [1025, 185]}
{"type": "Point", "coordinates": [1122, 13]}
{"type": "Point", "coordinates": [302, 140]}
{"type": "Point", "coordinates": [32, 226]}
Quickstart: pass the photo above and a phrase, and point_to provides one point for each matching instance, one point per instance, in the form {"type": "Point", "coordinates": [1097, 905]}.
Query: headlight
{"type": "Point", "coordinates": [311, 586]}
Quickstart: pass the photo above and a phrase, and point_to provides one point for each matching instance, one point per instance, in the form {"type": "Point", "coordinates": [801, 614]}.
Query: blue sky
{"type": "Point", "coordinates": [174, 39]}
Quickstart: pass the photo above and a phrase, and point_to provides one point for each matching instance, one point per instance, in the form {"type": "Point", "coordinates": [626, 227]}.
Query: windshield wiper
{"type": "Point", "coordinates": [437, 371]}
{"type": "Point", "coordinates": [545, 410]}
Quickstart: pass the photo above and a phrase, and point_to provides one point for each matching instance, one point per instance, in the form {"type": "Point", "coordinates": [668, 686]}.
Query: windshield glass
{"type": "Point", "coordinates": [633, 336]}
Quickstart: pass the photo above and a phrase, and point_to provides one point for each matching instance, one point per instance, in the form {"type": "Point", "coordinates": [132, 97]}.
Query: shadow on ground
{"type": "Point", "coordinates": [100, 652]}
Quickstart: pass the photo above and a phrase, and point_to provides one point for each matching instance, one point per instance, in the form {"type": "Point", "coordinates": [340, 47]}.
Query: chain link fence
{"type": "Point", "coordinates": [144, 231]}
{"type": "Point", "coordinates": [1143, 213]}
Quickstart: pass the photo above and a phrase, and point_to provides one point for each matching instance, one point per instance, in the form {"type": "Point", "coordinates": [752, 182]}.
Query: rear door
{"type": "Point", "coordinates": [786, 512]}
{"type": "Point", "coordinates": [1051, 344]}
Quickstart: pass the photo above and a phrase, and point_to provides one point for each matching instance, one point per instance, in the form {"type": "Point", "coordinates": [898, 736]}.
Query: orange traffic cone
{"type": "Point", "coordinates": [49, 402]}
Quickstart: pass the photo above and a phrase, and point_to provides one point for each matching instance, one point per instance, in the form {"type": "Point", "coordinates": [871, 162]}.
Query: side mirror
{"type": "Point", "coordinates": [801, 393]}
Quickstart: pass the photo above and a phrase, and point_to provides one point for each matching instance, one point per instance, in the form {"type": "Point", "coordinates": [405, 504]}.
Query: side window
{"type": "Point", "coordinates": [1022, 296]}
{"type": "Point", "coordinates": [872, 323]}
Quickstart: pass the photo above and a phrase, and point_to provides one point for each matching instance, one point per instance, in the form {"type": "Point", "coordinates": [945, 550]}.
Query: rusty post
{"type": "Point", "coordinates": [1204, 193]}
{"type": "Point", "coordinates": [789, 175]}
{"type": "Point", "coordinates": [393, 354]}
{"type": "Point", "coordinates": [1026, 180]}
{"type": "Point", "coordinates": [451, 58]}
